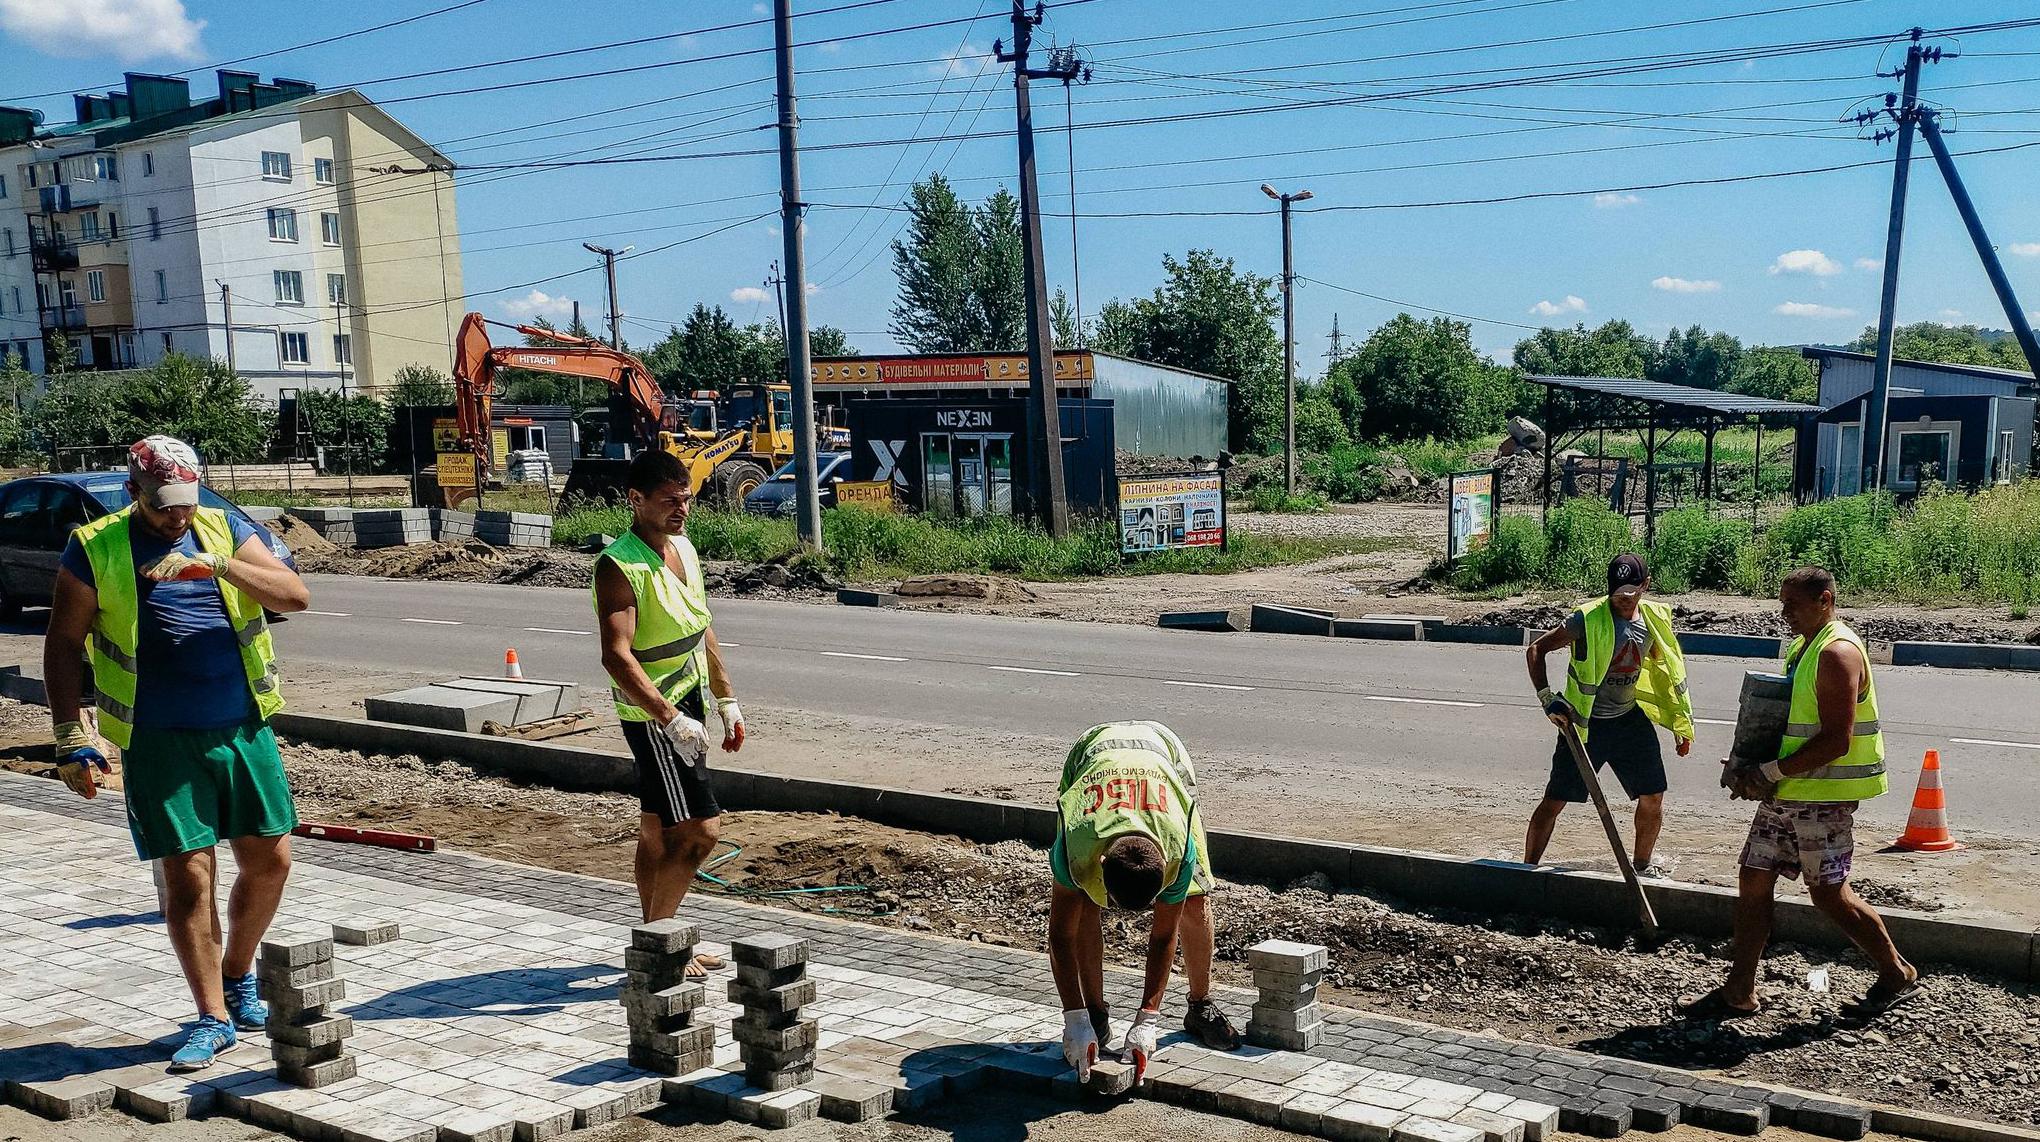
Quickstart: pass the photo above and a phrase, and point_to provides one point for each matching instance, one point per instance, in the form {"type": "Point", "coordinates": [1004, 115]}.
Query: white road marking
{"type": "Point", "coordinates": [1033, 670]}
{"type": "Point", "coordinates": [329, 614]}
{"type": "Point", "coordinates": [556, 630]}
{"type": "Point", "coordinates": [1988, 741]}
{"type": "Point", "coordinates": [1421, 701]}
{"type": "Point", "coordinates": [866, 657]}
{"type": "Point", "coordinates": [1204, 685]}
{"type": "Point", "coordinates": [727, 645]}
{"type": "Point", "coordinates": [1711, 722]}
{"type": "Point", "coordinates": [434, 622]}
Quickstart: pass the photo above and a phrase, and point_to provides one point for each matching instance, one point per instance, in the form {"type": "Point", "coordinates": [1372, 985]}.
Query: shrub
{"type": "Point", "coordinates": [1696, 551]}
{"type": "Point", "coordinates": [1846, 536]}
{"type": "Point", "coordinates": [1271, 498]}
{"type": "Point", "coordinates": [1582, 537]}
{"type": "Point", "coordinates": [1514, 554]}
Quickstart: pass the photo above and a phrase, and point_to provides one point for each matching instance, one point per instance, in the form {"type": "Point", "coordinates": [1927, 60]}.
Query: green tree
{"type": "Point", "coordinates": [1775, 372]}
{"type": "Point", "coordinates": [1948, 344]}
{"type": "Point", "coordinates": [202, 403]}
{"type": "Point", "coordinates": [960, 273]}
{"type": "Point", "coordinates": [829, 341]}
{"type": "Point", "coordinates": [1063, 322]}
{"type": "Point", "coordinates": [355, 427]}
{"type": "Point", "coordinates": [76, 410]}
{"type": "Point", "coordinates": [1615, 349]}
{"type": "Point", "coordinates": [1414, 380]}
{"type": "Point", "coordinates": [419, 385]}
{"type": "Point", "coordinates": [1695, 357]}
{"type": "Point", "coordinates": [1209, 317]}
{"type": "Point", "coordinates": [17, 386]}
{"type": "Point", "coordinates": [1319, 425]}
{"type": "Point", "coordinates": [60, 356]}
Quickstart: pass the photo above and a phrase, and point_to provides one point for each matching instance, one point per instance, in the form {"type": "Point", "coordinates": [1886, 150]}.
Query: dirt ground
{"type": "Point", "coordinates": [1966, 1048]}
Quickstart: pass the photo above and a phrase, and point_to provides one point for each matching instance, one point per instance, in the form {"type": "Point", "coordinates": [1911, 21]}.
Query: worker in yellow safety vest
{"type": "Point", "coordinates": [1130, 837]}
{"type": "Point", "coordinates": [1626, 673]}
{"type": "Point", "coordinates": [651, 612]}
{"type": "Point", "coordinates": [1830, 760]}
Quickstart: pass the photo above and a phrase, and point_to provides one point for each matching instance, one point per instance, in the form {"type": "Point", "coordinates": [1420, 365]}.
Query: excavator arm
{"type": "Point", "coordinates": [476, 363]}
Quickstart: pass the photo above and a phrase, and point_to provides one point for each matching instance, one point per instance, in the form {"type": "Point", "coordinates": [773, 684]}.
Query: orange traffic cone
{"type": "Point", "coordinates": [510, 667]}
{"type": "Point", "coordinates": [1926, 831]}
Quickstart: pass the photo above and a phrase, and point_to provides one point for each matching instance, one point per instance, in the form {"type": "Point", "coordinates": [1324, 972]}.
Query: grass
{"type": "Point", "coordinates": [866, 545]}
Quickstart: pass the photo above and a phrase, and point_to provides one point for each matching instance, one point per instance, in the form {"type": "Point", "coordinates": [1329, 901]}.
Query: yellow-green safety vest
{"type": "Point", "coordinates": [1121, 778]}
{"type": "Point", "coordinates": [672, 619]}
{"type": "Point", "coordinates": [1660, 692]}
{"type": "Point", "coordinates": [1857, 775]}
{"type": "Point", "coordinates": [116, 629]}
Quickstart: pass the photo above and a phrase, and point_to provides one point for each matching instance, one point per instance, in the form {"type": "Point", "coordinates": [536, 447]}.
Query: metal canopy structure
{"type": "Point", "coordinates": [1577, 406]}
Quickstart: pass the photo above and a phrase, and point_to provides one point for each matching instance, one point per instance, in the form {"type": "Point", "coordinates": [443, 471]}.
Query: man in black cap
{"type": "Point", "coordinates": [1625, 673]}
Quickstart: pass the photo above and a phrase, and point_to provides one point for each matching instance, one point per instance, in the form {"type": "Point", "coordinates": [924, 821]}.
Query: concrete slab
{"type": "Point", "coordinates": [1389, 630]}
{"type": "Point", "coordinates": [1218, 621]}
{"type": "Point", "coordinates": [442, 708]}
{"type": "Point", "coordinates": [537, 699]}
{"type": "Point", "coordinates": [1266, 619]}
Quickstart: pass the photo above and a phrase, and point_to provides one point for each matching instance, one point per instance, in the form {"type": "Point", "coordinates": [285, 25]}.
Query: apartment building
{"type": "Point", "coordinates": [306, 237]}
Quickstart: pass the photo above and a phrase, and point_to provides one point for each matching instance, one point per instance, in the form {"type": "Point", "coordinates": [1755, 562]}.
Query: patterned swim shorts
{"type": "Point", "coordinates": [1794, 838]}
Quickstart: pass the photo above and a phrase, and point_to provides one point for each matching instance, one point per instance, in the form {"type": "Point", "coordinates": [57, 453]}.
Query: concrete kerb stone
{"type": "Point", "coordinates": [443, 708]}
{"type": "Point", "coordinates": [1728, 645]}
{"type": "Point", "coordinates": [853, 597]}
{"type": "Point", "coordinates": [1216, 621]}
{"type": "Point", "coordinates": [1966, 655]}
{"type": "Point", "coordinates": [1386, 630]}
{"type": "Point", "coordinates": [1473, 633]}
{"type": "Point", "coordinates": [1264, 618]}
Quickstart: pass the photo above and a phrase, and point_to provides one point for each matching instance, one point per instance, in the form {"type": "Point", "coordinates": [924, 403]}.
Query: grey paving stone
{"type": "Point", "coordinates": [296, 951]}
{"type": "Point", "coordinates": [1253, 1100]}
{"type": "Point", "coordinates": [296, 1003]}
{"type": "Point", "coordinates": [663, 1004]}
{"type": "Point", "coordinates": [365, 933]}
{"type": "Point", "coordinates": [767, 1059]}
{"type": "Point", "coordinates": [1288, 956]}
{"type": "Point", "coordinates": [63, 1099]}
{"type": "Point", "coordinates": [754, 1032]}
{"type": "Point", "coordinates": [1827, 1118]}
{"type": "Point", "coordinates": [670, 936]}
{"type": "Point", "coordinates": [1595, 1119]}
{"type": "Point", "coordinates": [170, 1099]}
{"type": "Point", "coordinates": [1728, 1114]}
{"type": "Point", "coordinates": [686, 1041]}
{"type": "Point", "coordinates": [274, 976]}
{"type": "Point", "coordinates": [779, 1000]}
{"type": "Point", "coordinates": [386, 1128]}
{"type": "Point", "coordinates": [771, 952]}
{"type": "Point", "coordinates": [851, 1100]}
{"type": "Point", "coordinates": [753, 976]}
{"type": "Point", "coordinates": [291, 1055]}
{"type": "Point", "coordinates": [1287, 1018]}
{"type": "Point", "coordinates": [1287, 1039]}
{"type": "Point", "coordinates": [475, 1126]}
{"type": "Point", "coordinates": [1418, 1128]}
{"type": "Point", "coordinates": [1359, 1122]}
{"type": "Point", "coordinates": [315, 1031]}
{"type": "Point", "coordinates": [801, 1076]}
{"type": "Point", "coordinates": [1303, 1112]}
{"type": "Point", "coordinates": [1656, 1115]}
{"type": "Point", "coordinates": [1493, 1127]}
{"type": "Point", "coordinates": [597, 1106]}
{"type": "Point", "coordinates": [785, 1108]}
{"type": "Point", "coordinates": [666, 1063]}
{"type": "Point", "coordinates": [316, 1075]}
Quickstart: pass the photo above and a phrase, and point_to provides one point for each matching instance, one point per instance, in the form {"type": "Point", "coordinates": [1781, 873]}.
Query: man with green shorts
{"type": "Point", "coordinates": [166, 600]}
{"type": "Point", "coordinates": [1130, 837]}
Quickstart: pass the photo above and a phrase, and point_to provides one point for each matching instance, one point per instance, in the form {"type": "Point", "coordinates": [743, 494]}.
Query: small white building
{"type": "Point", "coordinates": [1958, 424]}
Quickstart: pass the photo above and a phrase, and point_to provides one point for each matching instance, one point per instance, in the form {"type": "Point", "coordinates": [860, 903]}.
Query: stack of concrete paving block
{"type": "Point", "coordinates": [1287, 975]}
{"type": "Point", "coordinates": [306, 1038]}
{"type": "Point", "coordinates": [391, 527]}
{"type": "Point", "coordinates": [450, 526]}
{"type": "Point", "coordinates": [335, 525]}
{"type": "Point", "coordinates": [514, 529]}
{"type": "Point", "coordinates": [263, 515]}
{"type": "Point", "coordinates": [659, 1003]}
{"type": "Point", "coordinates": [775, 1041]}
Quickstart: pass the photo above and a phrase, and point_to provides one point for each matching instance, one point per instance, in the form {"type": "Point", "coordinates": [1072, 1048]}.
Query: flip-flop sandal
{"type": "Point", "coordinates": [701, 965]}
{"type": "Point", "coordinates": [1715, 1007]}
{"type": "Point", "coordinates": [1880, 999]}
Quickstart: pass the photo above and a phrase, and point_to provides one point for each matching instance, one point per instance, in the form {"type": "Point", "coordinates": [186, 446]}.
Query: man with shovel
{"type": "Point", "coordinates": [1626, 673]}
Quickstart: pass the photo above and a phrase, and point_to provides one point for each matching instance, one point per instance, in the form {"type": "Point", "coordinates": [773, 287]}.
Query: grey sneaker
{"type": "Point", "coordinates": [1654, 870]}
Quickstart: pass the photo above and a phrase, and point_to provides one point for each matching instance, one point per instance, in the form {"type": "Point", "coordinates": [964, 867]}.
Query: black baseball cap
{"type": "Point", "coordinates": [1627, 574]}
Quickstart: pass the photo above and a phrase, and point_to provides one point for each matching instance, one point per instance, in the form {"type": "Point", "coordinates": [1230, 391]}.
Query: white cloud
{"type": "Point", "coordinates": [1685, 285]}
{"type": "Point", "coordinates": [759, 9]}
{"type": "Point", "coordinates": [2026, 249]}
{"type": "Point", "coordinates": [1950, 315]}
{"type": "Point", "coordinates": [1571, 304]}
{"type": "Point", "coordinates": [1805, 262]}
{"type": "Point", "coordinates": [813, 289]}
{"type": "Point", "coordinates": [1615, 201]}
{"type": "Point", "coordinates": [748, 295]}
{"type": "Point", "coordinates": [1809, 309]}
{"type": "Point", "coordinates": [539, 303]}
{"type": "Point", "coordinates": [126, 29]}
{"type": "Point", "coordinates": [1878, 263]}
{"type": "Point", "coordinates": [965, 62]}
{"type": "Point", "coordinates": [831, 47]}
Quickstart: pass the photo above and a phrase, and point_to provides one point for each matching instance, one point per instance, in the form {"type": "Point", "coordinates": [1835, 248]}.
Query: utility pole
{"type": "Point", "coordinates": [792, 227]}
{"type": "Point", "coordinates": [1044, 415]}
{"type": "Point", "coordinates": [227, 305]}
{"type": "Point", "coordinates": [1288, 340]}
{"type": "Point", "coordinates": [346, 413]}
{"type": "Point", "coordinates": [777, 281]}
{"type": "Point", "coordinates": [1065, 57]}
{"type": "Point", "coordinates": [609, 265]}
{"type": "Point", "coordinates": [1930, 130]}
{"type": "Point", "coordinates": [1904, 110]}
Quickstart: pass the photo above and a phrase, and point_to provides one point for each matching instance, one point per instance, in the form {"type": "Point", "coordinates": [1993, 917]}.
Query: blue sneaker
{"type": "Point", "coordinates": [244, 1003]}
{"type": "Point", "coordinates": [209, 1036]}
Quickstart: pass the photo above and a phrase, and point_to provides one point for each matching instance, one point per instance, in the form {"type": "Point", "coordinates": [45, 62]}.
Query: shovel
{"type": "Point", "coordinates": [1644, 914]}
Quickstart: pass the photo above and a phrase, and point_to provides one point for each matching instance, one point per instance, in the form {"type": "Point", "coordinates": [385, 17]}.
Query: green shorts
{"type": "Point", "coordinates": [192, 789]}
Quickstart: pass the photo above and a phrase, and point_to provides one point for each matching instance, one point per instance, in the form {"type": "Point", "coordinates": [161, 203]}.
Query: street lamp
{"type": "Point", "coordinates": [1288, 341]}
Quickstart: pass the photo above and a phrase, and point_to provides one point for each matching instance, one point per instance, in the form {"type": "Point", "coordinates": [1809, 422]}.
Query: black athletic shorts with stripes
{"type": "Point", "coordinates": [667, 787]}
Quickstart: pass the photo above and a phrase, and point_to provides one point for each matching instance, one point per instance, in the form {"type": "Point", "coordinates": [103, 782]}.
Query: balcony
{"type": "Point", "coordinates": [66, 317]}
{"type": "Point", "coordinates": [51, 255]}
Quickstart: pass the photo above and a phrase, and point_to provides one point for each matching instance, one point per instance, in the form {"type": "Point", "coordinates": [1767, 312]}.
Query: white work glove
{"type": "Point", "coordinates": [1140, 1039]}
{"type": "Point", "coordinates": [177, 565]}
{"type": "Point", "coordinates": [79, 752]}
{"type": "Point", "coordinates": [1080, 1042]}
{"type": "Point", "coordinates": [689, 737]}
{"type": "Point", "coordinates": [732, 724]}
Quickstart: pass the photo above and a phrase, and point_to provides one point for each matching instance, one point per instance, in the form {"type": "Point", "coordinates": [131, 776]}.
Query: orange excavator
{"type": "Point", "coordinates": [724, 454]}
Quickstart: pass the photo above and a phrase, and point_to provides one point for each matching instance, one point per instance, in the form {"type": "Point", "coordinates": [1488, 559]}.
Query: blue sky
{"type": "Point", "coordinates": [1783, 260]}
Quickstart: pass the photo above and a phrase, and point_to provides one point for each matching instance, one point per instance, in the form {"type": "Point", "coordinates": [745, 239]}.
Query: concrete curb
{"type": "Point", "coordinates": [1434, 879]}
{"type": "Point", "coordinates": [1265, 619]}
{"type": "Point", "coordinates": [1967, 655]}
{"type": "Point", "coordinates": [1219, 621]}
{"type": "Point", "coordinates": [852, 597]}
{"type": "Point", "coordinates": [1922, 1124]}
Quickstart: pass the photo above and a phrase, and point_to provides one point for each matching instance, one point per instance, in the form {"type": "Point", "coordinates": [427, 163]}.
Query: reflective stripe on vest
{"type": "Point", "coordinates": [116, 629]}
{"type": "Point", "coordinates": [1857, 775]}
{"type": "Point", "coordinates": [672, 620]}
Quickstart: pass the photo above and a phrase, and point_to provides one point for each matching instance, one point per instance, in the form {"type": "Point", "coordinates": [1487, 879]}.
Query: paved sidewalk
{"type": "Point", "coordinates": [496, 1015]}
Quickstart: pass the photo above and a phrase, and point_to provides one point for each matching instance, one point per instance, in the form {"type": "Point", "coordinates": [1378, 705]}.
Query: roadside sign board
{"type": "Point", "coordinates": [1157, 513]}
{"type": "Point", "coordinates": [876, 495]}
{"type": "Point", "coordinates": [1474, 508]}
{"type": "Point", "coordinates": [456, 469]}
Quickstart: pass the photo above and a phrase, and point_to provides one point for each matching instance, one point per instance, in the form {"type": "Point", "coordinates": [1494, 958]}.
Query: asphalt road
{"type": "Point", "coordinates": [1354, 710]}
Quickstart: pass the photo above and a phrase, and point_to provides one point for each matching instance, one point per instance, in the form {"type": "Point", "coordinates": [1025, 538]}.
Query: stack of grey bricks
{"type": "Point", "coordinates": [307, 1038]}
{"type": "Point", "coordinates": [450, 526]}
{"type": "Point", "coordinates": [659, 1003]}
{"type": "Point", "coordinates": [1286, 1014]}
{"type": "Point", "coordinates": [774, 1040]}
{"type": "Point", "coordinates": [514, 529]}
{"type": "Point", "coordinates": [335, 525]}
{"type": "Point", "coordinates": [391, 527]}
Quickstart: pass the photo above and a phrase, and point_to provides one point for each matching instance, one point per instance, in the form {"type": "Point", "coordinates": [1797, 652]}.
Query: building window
{"type": "Point", "coordinates": [148, 164]}
{"type": "Point", "coordinates": [10, 241]}
{"type": "Point", "coordinates": [112, 225]}
{"type": "Point", "coordinates": [3, 186]}
{"type": "Point", "coordinates": [282, 224]}
{"type": "Point", "coordinates": [336, 289]}
{"type": "Point", "coordinates": [88, 228]}
{"type": "Point", "coordinates": [32, 181]}
{"type": "Point", "coordinates": [322, 171]}
{"type": "Point", "coordinates": [95, 285]}
{"type": "Point", "coordinates": [343, 349]}
{"type": "Point", "coordinates": [106, 167]}
{"type": "Point", "coordinates": [1923, 456]}
{"type": "Point", "coordinates": [17, 299]}
{"type": "Point", "coordinates": [162, 287]}
{"type": "Point", "coordinates": [155, 225]}
{"type": "Point", "coordinates": [276, 166]}
{"type": "Point", "coordinates": [166, 343]}
{"type": "Point", "coordinates": [67, 293]}
{"type": "Point", "coordinates": [329, 229]}
{"type": "Point", "coordinates": [293, 349]}
{"type": "Point", "coordinates": [290, 287]}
